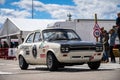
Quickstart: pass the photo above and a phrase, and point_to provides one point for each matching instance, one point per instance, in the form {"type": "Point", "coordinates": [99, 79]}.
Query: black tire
{"type": "Point", "coordinates": [94, 65]}
{"type": "Point", "coordinates": [22, 63]}
{"type": "Point", "coordinates": [52, 62]}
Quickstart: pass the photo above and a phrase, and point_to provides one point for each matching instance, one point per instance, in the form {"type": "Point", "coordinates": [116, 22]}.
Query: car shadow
{"type": "Point", "coordinates": [68, 69]}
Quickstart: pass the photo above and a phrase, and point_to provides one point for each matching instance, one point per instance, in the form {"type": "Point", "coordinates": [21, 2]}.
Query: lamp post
{"type": "Point", "coordinates": [96, 28]}
{"type": "Point", "coordinates": [32, 9]}
{"type": "Point", "coordinates": [69, 17]}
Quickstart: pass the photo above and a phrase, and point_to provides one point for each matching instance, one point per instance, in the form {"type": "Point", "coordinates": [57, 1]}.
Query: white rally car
{"type": "Point", "coordinates": [57, 48]}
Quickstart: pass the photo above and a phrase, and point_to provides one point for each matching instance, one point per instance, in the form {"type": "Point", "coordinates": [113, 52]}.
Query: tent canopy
{"type": "Point", "coordinates": [14, 26]}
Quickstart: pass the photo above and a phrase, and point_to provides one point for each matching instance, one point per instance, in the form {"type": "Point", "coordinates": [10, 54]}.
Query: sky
{"type": "Point", "coordinates": [59, 9]}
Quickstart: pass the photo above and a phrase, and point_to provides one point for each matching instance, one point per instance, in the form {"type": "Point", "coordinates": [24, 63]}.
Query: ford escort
{"type": "Point", "coordinates": [57, 48]}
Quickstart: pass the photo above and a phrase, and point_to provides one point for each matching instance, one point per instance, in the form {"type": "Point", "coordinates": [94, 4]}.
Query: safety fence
{"type": "Point", "coordinates": [8, 53]}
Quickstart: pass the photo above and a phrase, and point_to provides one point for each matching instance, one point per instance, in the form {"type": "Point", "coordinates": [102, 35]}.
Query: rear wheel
{"type": "Point", "coordinates": [22, 63]}
{"type": "Point", "coordinates": [52, 62]}
{"type": "Point", "coordinates": [94, 65]}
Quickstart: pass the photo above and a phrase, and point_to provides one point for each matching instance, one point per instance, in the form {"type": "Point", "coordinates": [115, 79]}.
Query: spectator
{"type": "Point", "coordinates": [105, 46]}
{"type": "Point", "coordinates": [118, 25]}
{"type": "Point", "coordinates": [0, 45]}
{"type": "Point", "coordinates": [101, 35]}
{"type": "Point", "coordinates": [5, 45]}
{"type": "Point", "coordinates": [12, 44]}
{"type": "Point", "coordinates": [118, 20]}
{"type": "Point", "coordinates": [112, 43]}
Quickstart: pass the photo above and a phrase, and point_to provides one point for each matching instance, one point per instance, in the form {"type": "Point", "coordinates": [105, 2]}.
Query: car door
{"type": "Point", "coordinates": [28, 48]}
{"type": "Point", "coordinates": [36, 50]}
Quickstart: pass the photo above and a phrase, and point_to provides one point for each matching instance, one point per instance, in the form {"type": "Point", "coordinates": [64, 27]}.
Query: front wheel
{"type": "Point", "coordinates": [22, 63]}
{"type": "Point", "coordinates": [94, 65]}
{"type": "Point", "coordinates": [52, 62]}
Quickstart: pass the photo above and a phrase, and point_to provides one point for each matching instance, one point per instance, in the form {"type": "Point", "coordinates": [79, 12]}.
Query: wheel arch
{"type": "Point", "coordinates": [21, 53]}
{"type": "Point", "coordinates": [51, 52]}
{"type": "Point", "coordinates": [22, 56]}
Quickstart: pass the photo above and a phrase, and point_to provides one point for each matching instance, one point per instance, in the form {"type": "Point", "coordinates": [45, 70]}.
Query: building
{"type": "Point", "coordinates": [84, 27]}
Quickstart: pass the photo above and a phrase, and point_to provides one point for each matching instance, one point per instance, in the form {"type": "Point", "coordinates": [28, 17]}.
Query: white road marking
{"type": "Point", "coordinates": [5, 72]}
{"type": "Point", "coordinates": [103, 66]}
{"type": "Point", "coordinates": [110, 66]}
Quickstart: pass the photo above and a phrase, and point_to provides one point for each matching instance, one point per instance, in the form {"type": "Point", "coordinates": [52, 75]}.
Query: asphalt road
{"type": "Point", "coordinates": [9, 70]}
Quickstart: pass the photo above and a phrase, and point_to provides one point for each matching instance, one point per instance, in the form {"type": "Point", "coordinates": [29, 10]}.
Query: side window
{"type": "Point", "coordinates": [37, 37]}
{"type": "Point", "coordinates": [30, 38]}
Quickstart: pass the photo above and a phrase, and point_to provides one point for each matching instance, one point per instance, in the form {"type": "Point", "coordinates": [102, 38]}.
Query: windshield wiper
{"type": "Point", "coordinates": [61, 39]}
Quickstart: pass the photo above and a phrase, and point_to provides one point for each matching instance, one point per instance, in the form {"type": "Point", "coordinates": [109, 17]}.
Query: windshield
{"type": "Point", "coordinates": [60, 34]}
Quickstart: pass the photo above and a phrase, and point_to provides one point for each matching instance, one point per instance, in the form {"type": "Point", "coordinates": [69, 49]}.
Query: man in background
{"type": "Point", "coordinates": [118, 25]}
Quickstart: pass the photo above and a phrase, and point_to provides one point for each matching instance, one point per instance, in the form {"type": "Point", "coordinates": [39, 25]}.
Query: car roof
{"type": "Point", "coordinates": [39, 30]}
{"type": "Point", "coordinates": [57, 29]}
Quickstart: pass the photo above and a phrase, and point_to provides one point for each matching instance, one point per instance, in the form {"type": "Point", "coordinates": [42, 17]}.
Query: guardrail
{"type": "Point", "coordinates": [8, 53]}
{"type": "Point", "coordinates": [116, 52]}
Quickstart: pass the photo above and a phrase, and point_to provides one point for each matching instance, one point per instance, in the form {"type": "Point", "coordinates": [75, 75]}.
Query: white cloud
{"type": "Point", "coordinates": [2, 20]}
{"type": "Point", "coordinates": [106, 9]}
{"type": "Point", "coordinates": [55, 10]}
{"type": "Point", "coordinates": [59, 11]}
{"type": "Point", "coordinates": [2, 1]}
{"type": "Point", "coordinates": [83, 9]}
{"type": "Point", "coordinates": [11, 13]}
{"type": "Point", "coordinates": [14, 13]}
{"type": "Point", "coordinates": [24, 4]}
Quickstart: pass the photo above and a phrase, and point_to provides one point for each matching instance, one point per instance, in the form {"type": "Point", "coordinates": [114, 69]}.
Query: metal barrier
{"type": "Point", "coordinates": [117, 53]}
{"type": "Point", "coordinates": [7, 53]}
{"type": "Point", "coordinates": [4, 53]}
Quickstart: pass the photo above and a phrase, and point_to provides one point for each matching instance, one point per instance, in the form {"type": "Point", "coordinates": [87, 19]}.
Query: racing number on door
{"type": "Point", "coordinates": [34, 51]}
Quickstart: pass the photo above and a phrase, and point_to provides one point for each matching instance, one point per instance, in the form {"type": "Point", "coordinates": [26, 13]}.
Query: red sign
{"type": "Point", "coordinates": [42, 55]}
{"type": "Point", "coordinates": [96, 26]}
{"type": "Point", "coordinates": [96, 33]}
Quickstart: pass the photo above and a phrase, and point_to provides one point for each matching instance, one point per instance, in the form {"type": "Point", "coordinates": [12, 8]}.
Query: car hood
{"type": "Point", "coordinates": [76, 42]}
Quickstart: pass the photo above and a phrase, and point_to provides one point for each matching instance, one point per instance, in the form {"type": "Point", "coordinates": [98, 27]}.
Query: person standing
{"type": "Point", "coordinates": [118, 25]}
{"type": "Point", "coordinates": [113, 35]}
{"type": "Point", "coordinates": [5, 45]}
{"type": "Point", "coordinates": [101, 34]}
{"type": "Point", "coordinates": [118, 31]}
{"type": "Point", "coordinates": [105, 46]}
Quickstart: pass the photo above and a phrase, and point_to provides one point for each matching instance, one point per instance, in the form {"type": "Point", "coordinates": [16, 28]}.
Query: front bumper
{"type": "Point", "coordinates": [79, 57]}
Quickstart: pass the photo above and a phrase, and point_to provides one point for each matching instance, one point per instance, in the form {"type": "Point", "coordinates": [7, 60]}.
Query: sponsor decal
{"type": "Point", "coordinates": [46, 46]}
{"type": "Point", "coordinates": [42, 55]}
{"type": "Point", "coordinates": [44, 50]}
{"type": "Point", "coordinates": [27, 52]}
{"type": "Point", "coordinates": [24, 47]}
{"type": "Point", "coordinates": [43, 45]}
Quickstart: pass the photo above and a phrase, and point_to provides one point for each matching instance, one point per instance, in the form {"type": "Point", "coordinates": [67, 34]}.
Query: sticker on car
{"type": "Point", "coordinates": [34, 51]}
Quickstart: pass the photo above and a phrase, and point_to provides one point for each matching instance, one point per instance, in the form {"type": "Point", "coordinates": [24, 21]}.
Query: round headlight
{"type": "Point", "coordinates": [98, 49]}
{"type": "Point", "coordinates": [64, 49]}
